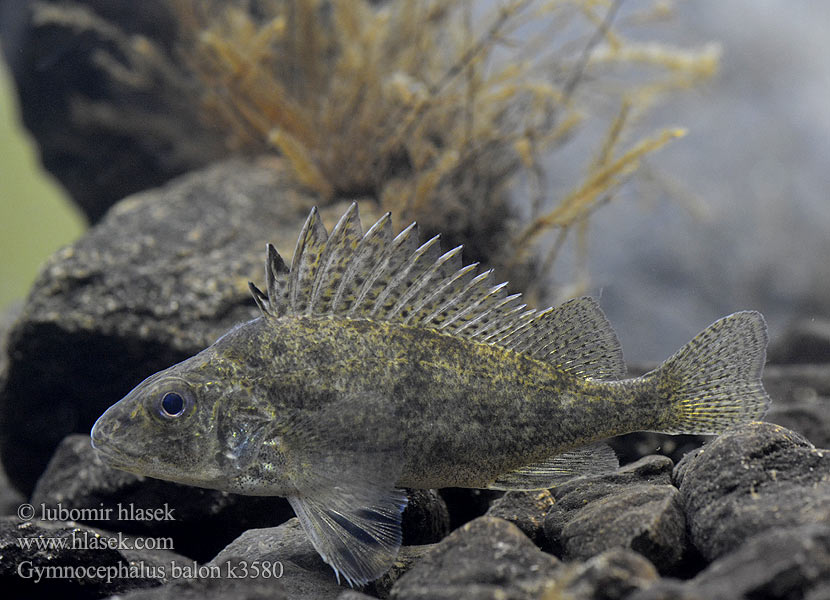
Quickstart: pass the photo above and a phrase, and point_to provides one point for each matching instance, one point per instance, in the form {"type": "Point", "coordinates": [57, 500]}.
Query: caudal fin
{"type": "Point", "coordinates": [714, 381]}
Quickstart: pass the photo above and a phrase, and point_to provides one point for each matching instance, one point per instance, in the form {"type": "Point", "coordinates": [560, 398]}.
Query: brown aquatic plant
{"type": "Point", "coordinates": [429, 107]}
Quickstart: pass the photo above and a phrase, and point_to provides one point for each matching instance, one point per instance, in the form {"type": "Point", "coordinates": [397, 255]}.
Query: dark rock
{"type": "Point", "coordinates": [486, 558]}
{"type": "Point", "coordinates": [214, 588]}
{"type": "Point", "coordinates": [159, 279]}
{"type": "Point", "coordinates": [526, 510]}
{"type": "Point", "coordinates": [672, 589]}
{"type": "Point", "coordinates": [635, 508]}
{"type": "Point", "coordinates": [612, 575]}
{"type": "Point", "coordinates": [203, 521]}
{"type": "Point", "coordinates": [82, 562]}
{"type": "Point", "coordinates": [10, 498]}
{"type": "Point", "coordinates": [103, 136]}
{"type": "Point", "coordinates": [805, 341]}
{"type": "Point", "coordinates": [779, 563]}
{"type": "Point", "coordinates": [408, 556]}
{"type": "Point", "coordinates": [426, 518]}
{"type": "Point", "coordinates": [304, 574]}
{"type": "Point", "coordinates": [750, 480]}
{"type": "Point", "coordinates": [353, 595]}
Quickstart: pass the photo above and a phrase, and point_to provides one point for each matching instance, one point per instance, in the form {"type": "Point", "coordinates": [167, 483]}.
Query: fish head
{"type": "Point", "coordinates": [194, 423]}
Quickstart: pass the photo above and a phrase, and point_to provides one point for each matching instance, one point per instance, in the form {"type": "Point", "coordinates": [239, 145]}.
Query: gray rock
{"type": "Point", "coordinates": [70, 551]}
{"type": "Point", "coordinates": [214, 588]}
{"type": "Point", "coordinates": [203, 521]}
{"type": "Point", "coordinates": [612, 575]}
{"type": "Point", "coordinates": [748, 481]}
{"type": "Point", "coordinates": [526, 510]}
{"type": "Point", "coordinates": [353, 595]}
{"type": "Point", "coordinates": [486, 558]}
{"type": "Point", "coordinates": [636, 508]}
{"type": "Point", "coordinates": [778, 564]}
{"type": "Point", "coordinates": [160, 278]}
{"type": "Point", "coordinates": [10, 498]}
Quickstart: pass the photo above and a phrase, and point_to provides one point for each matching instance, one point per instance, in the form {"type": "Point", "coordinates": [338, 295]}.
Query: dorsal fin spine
{"type": "Point", "coordinates": [399, 278]}
{"type": "Point", "coordinates": [382, 265]}
{"type": "Point", "coordinates": [450, 281]}
{"type": "Point", "coordinates": [483, 307]}
{"type": "Point", "coordinates": [479, 326]}
{"type": "Point", "coordinates": [261, 299]}
{"type": "Point", "coordinates": [332, 253]}
{"type": "Point", "coordinates": [421, 280]}
{"type": "Point", "coordinates": [380, 229]}
{"type": "Point", "coordinates": [429, 277]}
{"type": "Point", "coordinates": [480, 281]}
{"type": "Point", "coordinates": [294, 273]}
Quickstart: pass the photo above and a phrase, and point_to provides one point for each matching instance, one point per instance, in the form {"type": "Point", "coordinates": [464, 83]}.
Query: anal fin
{"type": "Point", "coordinates": [588, 460]}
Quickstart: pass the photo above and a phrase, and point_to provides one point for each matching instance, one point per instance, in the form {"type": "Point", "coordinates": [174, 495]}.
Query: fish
{"type": "Point", "coordinates": [380, 363]}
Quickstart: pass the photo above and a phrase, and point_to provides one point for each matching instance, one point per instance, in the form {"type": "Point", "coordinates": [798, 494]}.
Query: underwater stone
{"type": "Point", "coordinates": [778, 564]}
{"type": "Point", "coordinates": [612, 575]}
{"type": "Point", "coordinates": [216, 588]}
{"type": "Point", "coordinates": [203, 520]}
{"type": "Point", "coordinates": [161, 277]}
{"type": "Point", "coordinates": [636, 508]}
{"type": "Point", "coordinates": [486, 558]}
{"type": "Point", "coordinates": [426, 518]}
{"type": "Point", "coordinates": [751, 480]}
{"type": "Point", "coordinates": [526, 510]}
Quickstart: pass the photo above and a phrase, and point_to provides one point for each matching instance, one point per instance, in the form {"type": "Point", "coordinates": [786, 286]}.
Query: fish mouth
{"type": "Point", "coordinates": [102, 443]}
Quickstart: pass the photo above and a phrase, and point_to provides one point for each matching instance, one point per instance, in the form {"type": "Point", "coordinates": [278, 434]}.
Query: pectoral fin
{"type": "Point", "coordinates": [590, 460]}
{"type": "Point", "coordinates": [357, 532]}
{"type": "Point", "coordinates": [345, 494]}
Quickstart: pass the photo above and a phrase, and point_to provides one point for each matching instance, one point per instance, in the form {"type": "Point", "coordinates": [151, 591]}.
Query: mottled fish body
{"type": "Point", "coordinates": [380, 363]}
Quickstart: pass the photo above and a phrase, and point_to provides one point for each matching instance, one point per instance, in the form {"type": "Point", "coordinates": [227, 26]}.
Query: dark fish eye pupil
{"type": "Point", "coordinates": [172, 404]}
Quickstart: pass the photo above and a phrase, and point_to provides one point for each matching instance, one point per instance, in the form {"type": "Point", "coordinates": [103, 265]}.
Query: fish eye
{"type": "Point", "coordinates": [172, 405]}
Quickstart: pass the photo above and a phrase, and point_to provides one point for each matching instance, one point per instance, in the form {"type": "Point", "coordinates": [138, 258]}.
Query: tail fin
{"type": "Point", "coordinates": [714, 381]}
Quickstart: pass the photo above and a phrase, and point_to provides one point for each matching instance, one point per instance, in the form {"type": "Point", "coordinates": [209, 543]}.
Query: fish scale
{"type": "Point", "coordinates": [379, 363]}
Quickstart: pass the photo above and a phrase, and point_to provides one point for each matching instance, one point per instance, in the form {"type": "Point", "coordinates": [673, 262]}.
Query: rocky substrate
{"type": "Point", "coordinates": [747, 515]}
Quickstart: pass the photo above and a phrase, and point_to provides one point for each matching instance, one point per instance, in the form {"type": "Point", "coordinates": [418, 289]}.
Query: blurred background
{"type": "Point", "coordinates": [36, 214]}
{"type": "Point", "coordinates": [733, 216]}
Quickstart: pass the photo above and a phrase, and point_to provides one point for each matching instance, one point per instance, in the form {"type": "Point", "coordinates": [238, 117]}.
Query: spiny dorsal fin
{"type": "Point", "coordinates": [381, 277]}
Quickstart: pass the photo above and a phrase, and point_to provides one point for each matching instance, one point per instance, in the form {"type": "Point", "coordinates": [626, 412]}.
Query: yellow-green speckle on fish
{"type": "Point", "coordinates": [379, 363]}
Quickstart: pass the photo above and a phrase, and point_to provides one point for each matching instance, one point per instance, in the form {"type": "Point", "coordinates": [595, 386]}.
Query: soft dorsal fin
{"type": "Point", "coordinates": [397, 279]}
